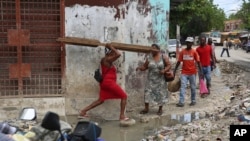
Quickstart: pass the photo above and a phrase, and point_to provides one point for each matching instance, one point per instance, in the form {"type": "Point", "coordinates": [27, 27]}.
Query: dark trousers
{"type": "Point", "coordinates": [212, 65]}
{"type": "Point", "coordinates": [225, 49]}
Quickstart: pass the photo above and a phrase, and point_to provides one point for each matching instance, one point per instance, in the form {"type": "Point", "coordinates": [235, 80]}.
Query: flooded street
{"type": "Point", "coordinates": [208, 120]}
{"type": "Point", "coordinates": [106, 63]}
{"type": "Point", "coordinates": [112, 131]}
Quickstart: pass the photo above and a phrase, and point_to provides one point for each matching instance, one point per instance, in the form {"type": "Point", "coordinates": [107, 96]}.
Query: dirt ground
{"type": "Point", "coordinates": [208, 120]}
{"type": "Point", "coordinates": [229, 98]}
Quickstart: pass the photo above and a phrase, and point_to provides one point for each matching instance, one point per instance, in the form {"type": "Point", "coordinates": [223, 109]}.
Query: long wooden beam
{"type": "Point", "coordinates": [96, 43]}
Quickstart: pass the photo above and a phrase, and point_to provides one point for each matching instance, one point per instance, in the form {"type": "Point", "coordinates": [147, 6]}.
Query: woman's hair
{"type": "Point", "coordinates": [107, 50]}
{"type": "Point", "coordinates": [155, 45]}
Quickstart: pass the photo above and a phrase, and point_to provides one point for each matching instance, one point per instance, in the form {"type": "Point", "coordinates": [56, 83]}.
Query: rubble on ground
{"type": "Point", "coordinates": [234, 109]}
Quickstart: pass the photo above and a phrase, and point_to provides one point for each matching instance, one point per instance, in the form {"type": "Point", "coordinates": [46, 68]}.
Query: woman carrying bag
{"type": "Point", "coordinates": [109, 89]}
{"type": "Point", "coordinates": [156, 85]}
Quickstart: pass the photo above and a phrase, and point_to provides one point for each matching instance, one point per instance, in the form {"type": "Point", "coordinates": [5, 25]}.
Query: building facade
{"type": "Point", "coordinates": [232, 25]}
{"type": "Point", "coordinates": [37, 71]}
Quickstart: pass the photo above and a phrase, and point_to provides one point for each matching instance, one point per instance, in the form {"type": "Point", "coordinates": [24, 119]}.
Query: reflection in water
{"type": "Point", "coordinates": [111, 130]}
{"type": "Point", "coordinates": [186, 118]}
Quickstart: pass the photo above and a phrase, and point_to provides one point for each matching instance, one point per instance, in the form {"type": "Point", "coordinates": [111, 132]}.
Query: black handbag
{"type": "Point", "coordinates": [98, 75]}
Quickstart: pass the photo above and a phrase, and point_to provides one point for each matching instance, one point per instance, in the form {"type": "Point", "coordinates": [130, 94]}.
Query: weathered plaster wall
{"type": "Point", "coordinates": [10, 108]}
{"type": "Point", "coordinates": [138, 23]}
{"type": "Point", "coordinates": [131, 21]}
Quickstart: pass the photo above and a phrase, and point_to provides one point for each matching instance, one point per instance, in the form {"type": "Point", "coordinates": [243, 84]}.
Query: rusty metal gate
{"type": "Point", "coordinates": [31, 61]}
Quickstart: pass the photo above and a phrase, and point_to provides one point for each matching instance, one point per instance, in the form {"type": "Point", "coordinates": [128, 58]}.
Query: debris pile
{"type": "Point", "coordinates": [233, 109]}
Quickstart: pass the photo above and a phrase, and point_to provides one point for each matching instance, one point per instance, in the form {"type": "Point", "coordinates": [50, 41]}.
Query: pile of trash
{"type": "Point", "coordinates": [19, 130]}
{"type": "Point", "coordinates": [26, 128]}
{"type": "Point", "coordinates": [215, 125]}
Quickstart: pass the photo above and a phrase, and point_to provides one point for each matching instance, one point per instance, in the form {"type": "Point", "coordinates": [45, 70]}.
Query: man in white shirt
{"type": "Point", "coordinates": [225, 48]}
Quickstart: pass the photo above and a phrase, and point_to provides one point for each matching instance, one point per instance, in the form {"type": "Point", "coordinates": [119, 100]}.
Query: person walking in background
{"type": "Point", "coordinates": [206, 55]}
{"type": "Point", "coordinates": [225, 48]}
{"type": "Point", "coordinates": [156, 87]}
{"type": "Point", "coordinates": [109, 89]}
{"type": "Point", "coordinates": [188, 57]}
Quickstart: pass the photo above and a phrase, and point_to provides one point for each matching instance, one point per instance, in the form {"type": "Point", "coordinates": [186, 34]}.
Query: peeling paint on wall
{"type": "Point", "coordinates": [160, 21]}
{"type": "Point", "coordinates": [127, 21]}
{"type": "Point", "coordinates": [110, 33]}
{"type": "Point", "coordinates": [136, 25]}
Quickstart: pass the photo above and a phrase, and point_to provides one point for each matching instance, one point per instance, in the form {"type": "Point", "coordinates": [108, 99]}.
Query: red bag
{"type": "Point", "coordinates": [203, 87]}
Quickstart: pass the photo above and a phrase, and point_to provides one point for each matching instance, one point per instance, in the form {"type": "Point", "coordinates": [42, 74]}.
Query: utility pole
{"type": "Point", "coordinates": [177, 41]}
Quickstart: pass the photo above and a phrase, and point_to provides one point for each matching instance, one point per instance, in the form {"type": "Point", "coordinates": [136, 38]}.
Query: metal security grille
{"type": "Point", "coordinates": [30, 58]}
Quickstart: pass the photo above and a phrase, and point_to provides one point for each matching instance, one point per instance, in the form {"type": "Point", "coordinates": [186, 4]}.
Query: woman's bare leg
{"type": "Point", "coordinates": [91, 106]}
{"type": "Point", "coordinates": [123, 107]}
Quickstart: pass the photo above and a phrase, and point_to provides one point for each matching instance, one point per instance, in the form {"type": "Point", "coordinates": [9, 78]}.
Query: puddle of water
{"type": "Point", "coordinates": [186, 118]}
{"type": "Point", "coordinates": [112, 131]}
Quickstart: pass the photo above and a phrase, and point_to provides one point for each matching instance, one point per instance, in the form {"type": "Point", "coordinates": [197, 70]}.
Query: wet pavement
{"type": "Point", "coordinates": [111, 131]}
{"type": "Point", "coordinates": [234, 78]}
{"type": "Point", "coordinates": [150, 124]}
{"type": "Point", "coordinates": [209, 119]}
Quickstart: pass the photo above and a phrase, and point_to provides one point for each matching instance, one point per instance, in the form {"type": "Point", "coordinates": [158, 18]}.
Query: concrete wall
{"type": "Point", "coordinates": [10, 108]}
{"type": "Point", "coordinates": [132, 22]}
{"type": "Point", "coordinates": [138, 24]}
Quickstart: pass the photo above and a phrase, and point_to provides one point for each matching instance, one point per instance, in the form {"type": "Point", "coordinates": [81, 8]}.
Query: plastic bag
{"type": "Point", "coordinates": [203, 87]}
{"type": "Point", "coordinates": [217, 71]}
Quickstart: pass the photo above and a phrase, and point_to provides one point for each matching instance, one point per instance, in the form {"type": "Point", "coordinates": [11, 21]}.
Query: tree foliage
{"type": "Point", "coordinates": [196, 16]}
{"type": "Point", "coordinates": [243, 14]}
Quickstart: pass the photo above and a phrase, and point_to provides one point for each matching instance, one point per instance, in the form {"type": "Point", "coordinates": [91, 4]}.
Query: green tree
{"type": "Point", "coordinates": [196, 16]}
{"type": "Point", "coordinates": [243, 14]}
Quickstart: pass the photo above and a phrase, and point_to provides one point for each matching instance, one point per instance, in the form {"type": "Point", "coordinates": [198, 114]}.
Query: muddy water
{"type": "Point", "coordinates": [112, 131]}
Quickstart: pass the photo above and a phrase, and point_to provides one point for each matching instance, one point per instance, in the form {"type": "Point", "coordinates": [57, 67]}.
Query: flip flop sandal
{"type": "Point", "coordinates": [82, 117]}
{"type": "Point", "coordinates": [125, 119]}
